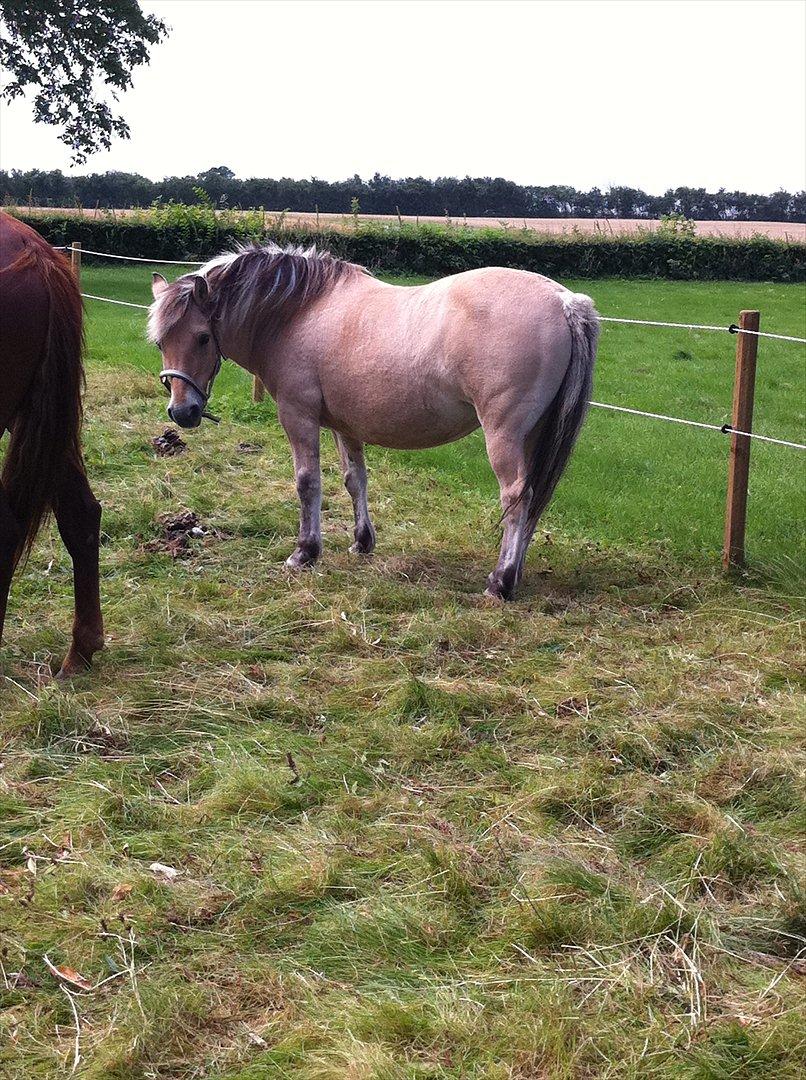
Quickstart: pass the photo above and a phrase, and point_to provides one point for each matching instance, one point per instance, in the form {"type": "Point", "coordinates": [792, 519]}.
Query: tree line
{"type": "Point", "coordinates": [455, 197]}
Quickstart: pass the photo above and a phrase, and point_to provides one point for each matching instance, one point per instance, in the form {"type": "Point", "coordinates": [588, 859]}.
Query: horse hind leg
{"type": "Point", "coordinates": [508, 454]}
{"type": "Point", "coordinates": [354, 470]}
{"type": "Point", "coordinates": [10, 536]}
{"type": "Point", "coordinates": [78, 516]}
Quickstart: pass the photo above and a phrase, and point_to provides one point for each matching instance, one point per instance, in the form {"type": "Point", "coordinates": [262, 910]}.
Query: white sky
{"type": "Point", "coordinates": [652, 94]}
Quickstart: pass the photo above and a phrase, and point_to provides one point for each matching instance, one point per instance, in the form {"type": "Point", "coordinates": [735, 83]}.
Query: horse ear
{"type": "Point", "coordinates": [201, 292]}
{"type": "Point", "coordinates": [158, 285]}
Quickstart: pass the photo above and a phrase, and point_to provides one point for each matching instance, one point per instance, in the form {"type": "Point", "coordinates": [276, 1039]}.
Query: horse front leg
{"type": "Point", "coordinates": [78, 516]}
{"type": "Point", "coordinates": [303, 434]}
{"type": "Point", "coordinates": [354, 470]}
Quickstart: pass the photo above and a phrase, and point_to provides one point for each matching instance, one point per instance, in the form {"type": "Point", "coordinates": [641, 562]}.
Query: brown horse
{"type": "Point", "coordinates": [41, 380]}
{"type": "Point", "coordinates": [506, 350]}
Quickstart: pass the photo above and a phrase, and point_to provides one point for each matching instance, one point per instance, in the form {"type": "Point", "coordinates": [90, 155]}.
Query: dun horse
{"type": "Point", "coordinates": [41, 379]}
{"type": "Point", "coordinates": [401, 367]}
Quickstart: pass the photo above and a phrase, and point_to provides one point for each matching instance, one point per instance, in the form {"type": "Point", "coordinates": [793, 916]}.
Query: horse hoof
{"type": "Point", "coordinates": [71, 668]}
{"type": "Point", "coordinates": [300, 561]}
{"type": "Point", "coordinates": [79, 659]}
{"type": "Point", "coordinates": [360, 549]}
{"type": "Point", "coordinates": [494, 597]}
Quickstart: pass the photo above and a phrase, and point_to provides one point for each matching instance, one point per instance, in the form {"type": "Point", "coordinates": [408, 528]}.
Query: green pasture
{"type": "Point", "coordinates": [410, 835]}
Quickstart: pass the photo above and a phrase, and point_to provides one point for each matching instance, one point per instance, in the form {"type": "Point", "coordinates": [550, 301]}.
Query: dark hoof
{"type": "Point", "coordinates": [500, 587]}
{"type": "Point", "coordinates": [71, 666]}
{"type": "Point", "coordinates": [302, 559]}
{"type": "Point", "coordinates": [79, 660]}
{"type": "Point", "coordinates": [364, 541]}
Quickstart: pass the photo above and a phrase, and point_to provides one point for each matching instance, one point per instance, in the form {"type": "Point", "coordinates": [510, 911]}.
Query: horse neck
{"type": "Point", "coordinates": [250, 349]}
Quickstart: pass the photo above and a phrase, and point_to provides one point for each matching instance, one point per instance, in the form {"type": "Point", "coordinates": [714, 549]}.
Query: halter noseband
{"type": "Point", "coordinates": [172, 373]}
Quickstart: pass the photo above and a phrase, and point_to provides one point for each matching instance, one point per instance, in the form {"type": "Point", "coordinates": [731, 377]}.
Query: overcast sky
{"type": "Point", "coordinates": [652, 94]}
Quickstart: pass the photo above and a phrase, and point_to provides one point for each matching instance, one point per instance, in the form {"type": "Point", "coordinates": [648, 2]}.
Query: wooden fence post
{"type": "Point", "coordinates": [75, 260]}
{"type": "Point", "coordinates": [739, 465]}
{"type": "Point", "coordinates": [258, 389]}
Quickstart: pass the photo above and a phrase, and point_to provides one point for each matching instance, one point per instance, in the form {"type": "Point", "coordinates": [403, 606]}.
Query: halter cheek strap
{"type": "Point", "coordinates": [167, 374]}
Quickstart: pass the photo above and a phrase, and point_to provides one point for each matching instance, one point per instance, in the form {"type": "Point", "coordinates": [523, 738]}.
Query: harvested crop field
{"type": "Point", "coordinates": [773, 230]}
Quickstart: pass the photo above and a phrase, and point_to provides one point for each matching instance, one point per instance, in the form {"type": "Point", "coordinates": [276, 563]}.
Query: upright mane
{"type": "Point", "coordinates": [257, 287]}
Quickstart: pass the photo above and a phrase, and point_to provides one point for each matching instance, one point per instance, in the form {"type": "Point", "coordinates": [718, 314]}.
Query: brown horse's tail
{"type": "Point", "coordinates": [46, 432]}
{"type": "Point", "coordinates": [561, 423]}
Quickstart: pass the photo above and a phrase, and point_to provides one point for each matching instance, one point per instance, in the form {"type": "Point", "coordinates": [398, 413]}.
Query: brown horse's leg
{"type": "Point", "coordinates": [10, 534]}
{"type": "Point", "coordinates": [354, 469]}
{"type": "Point", "coordinates": [507, 452]}
{"type": "Point", "coordinates": [78, 515]}
{"type": "Point", "coordinates": [303, 434]}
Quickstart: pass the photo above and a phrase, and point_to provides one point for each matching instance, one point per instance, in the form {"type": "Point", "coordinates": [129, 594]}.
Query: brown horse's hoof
{"type": "Point", "coordinates": [78, 661]}
{"type": "Point", "coordinates": [71, 668]}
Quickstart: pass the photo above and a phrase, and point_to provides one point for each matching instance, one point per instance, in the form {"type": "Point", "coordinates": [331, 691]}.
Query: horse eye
{"type": "Point", "coordinates": [203, 339]}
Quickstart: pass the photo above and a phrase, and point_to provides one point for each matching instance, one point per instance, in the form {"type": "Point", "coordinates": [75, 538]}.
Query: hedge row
{"type": "Point", "coordinates": [435, 249]}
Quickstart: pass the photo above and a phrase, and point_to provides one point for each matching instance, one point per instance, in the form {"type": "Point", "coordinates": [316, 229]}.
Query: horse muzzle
{"type": "Point", "coordinates": [187, 415]}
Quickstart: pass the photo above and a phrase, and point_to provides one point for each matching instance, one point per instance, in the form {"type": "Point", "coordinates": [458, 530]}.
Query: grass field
{"type": "Point", "coordinates": [410, 835]}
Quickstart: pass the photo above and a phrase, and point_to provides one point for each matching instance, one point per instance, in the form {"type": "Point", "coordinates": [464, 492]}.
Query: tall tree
{"type": "Point", "coordinates": [74, 54]}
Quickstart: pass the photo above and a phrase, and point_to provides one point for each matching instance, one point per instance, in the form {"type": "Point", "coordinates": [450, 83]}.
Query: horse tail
{"type": "Point", "coordinates": [560, 425]}
{"type": "Point", "coordinates": [46, 432]}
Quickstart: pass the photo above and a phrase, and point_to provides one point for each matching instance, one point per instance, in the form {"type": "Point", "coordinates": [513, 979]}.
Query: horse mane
{"type": "Point", "coordinates": [256, 287]}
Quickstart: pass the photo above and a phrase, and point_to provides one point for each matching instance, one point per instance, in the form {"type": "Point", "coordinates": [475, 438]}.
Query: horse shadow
{"type": "Point", "coordinates": [555, 577]}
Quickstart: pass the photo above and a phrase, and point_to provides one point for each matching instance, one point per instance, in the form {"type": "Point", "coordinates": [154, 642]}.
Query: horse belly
{"type": "Point", "coordinates": [398, 422]}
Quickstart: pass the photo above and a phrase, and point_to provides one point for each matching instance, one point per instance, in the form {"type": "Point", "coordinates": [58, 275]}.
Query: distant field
{"type": "Point", "coordinates": [775, 230]}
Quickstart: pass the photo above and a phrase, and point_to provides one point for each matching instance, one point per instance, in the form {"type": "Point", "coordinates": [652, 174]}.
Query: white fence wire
{"type": "Point", "coordinates": [732, 329]}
